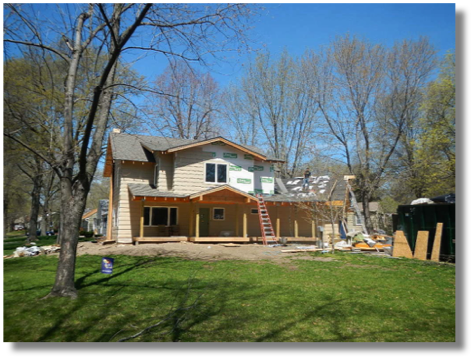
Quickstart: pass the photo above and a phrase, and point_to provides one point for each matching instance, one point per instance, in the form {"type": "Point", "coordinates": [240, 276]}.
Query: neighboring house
{"type": "Point", "coordinates": [166, 189]}
{"type": "Point", "coordinates": [96, 220]}
{"type": "Point", "coordinates": [100, 221]}
{"type": "Point", "coordinates": [88, 220]}
{"type": "Point", "coordinates": [19, 223]}
{"type": "Point", "coordinates": [378, 218]}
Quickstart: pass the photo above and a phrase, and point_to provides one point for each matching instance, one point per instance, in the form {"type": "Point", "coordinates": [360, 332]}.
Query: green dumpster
{"type": "Point", "coordinates": [413, 218]}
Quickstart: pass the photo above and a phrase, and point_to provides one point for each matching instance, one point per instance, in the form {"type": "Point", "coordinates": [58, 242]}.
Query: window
{"type": "Point", "coordinates": [218, 214]}
{"type": "Point", "coordinates": [357, 220]}
{"type": "Point", "coordinates": [254, 211]}
{"type": "Point", "coordinates": [215, 172]}
{"type": "Point", "coordinates": [155, 216]}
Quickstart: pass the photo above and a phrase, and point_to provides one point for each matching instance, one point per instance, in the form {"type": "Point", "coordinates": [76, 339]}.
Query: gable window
{"type": "Point", "coordinates": [216, 172]}
{"type": "Point", "coordinates": [254, 211]}
{"type": "Point", "coordinates": [155, 216]}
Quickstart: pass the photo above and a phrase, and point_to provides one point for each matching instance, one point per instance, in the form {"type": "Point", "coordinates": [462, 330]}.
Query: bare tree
{"type": "Point", "coordinates": [187, 102]}
{"type": "Point", "coordinates": [366, 95]}
{"type": "Point", "coordinates": [190, 32]}
{"type": "Point", "coordinates": [274, 97]}
{"type": "Point", "coordinates": [237, 113]}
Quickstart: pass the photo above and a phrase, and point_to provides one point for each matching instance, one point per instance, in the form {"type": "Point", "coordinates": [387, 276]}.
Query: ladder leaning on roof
{"type": "Point", "coordinates": [267, 232]}
{"type": "Point", "coordinates": [355, 206]}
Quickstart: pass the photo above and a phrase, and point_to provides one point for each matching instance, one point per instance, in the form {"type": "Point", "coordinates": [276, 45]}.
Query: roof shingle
{"type": "Point", "coordinates": [131, 147]}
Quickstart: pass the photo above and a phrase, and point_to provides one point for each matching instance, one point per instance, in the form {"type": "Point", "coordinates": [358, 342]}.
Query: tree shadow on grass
{"type": "Point", "coordinates": [188, 306]}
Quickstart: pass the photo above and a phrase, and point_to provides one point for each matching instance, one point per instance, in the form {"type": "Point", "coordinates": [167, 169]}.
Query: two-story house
{"type": "Point", "coordinates": [166, 189]}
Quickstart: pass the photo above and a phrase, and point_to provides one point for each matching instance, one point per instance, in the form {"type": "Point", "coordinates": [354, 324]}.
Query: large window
{"type": "Point", "coordinates": [215, 172]}
{"type": "Point", "coordinates": [155, 216]}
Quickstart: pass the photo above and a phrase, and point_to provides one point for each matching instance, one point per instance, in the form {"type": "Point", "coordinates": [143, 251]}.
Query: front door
{"type": "Point", "coordinates": [204, 221]}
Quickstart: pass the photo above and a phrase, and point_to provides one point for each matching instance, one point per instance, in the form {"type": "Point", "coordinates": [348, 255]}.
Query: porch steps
{"type": "Point", "coordinates": [267, 232]}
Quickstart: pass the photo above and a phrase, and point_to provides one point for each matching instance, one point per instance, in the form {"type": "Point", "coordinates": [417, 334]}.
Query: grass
{"type": "Point", "coordinates": [333, 298]}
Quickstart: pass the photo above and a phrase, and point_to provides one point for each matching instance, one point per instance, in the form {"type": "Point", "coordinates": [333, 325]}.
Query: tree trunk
{"type": "Point", "coordinates": [69, 235]}
{"type": "Point", "coordinates": [366, 210]}
{"type": "Point", "coordinates": [5, 214]}
{"type": "Point", "coordinates": [35, 208]}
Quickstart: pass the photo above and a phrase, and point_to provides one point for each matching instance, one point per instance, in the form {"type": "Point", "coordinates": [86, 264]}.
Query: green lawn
{"type": "Point", "coordinates": [343, 298]}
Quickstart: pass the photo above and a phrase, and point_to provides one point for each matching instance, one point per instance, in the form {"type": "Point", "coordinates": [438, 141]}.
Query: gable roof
{"type": "Point", "coordinates": [220, 188]}
{"type": "Point", "coordinates": [130, 147]}
{"type": "Point", "coordinates": [146, 190]}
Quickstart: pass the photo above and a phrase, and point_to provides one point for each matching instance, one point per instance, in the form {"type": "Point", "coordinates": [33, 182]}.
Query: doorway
{"type": "Point", "coordinates": [204, 215]}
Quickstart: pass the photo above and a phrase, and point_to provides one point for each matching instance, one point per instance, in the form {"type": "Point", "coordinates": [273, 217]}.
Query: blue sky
{"type": "Point", "coordinates": [301, 26]}
{"type": "Point", "coordinates": [311, 25]}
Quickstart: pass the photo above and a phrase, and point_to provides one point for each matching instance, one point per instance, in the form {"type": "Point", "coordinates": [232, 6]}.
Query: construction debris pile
{"type": "Point", "coordinates": [356, 242]}
{"type": "Point", "coordinates": [33, 250]}
{"type": "Point", "coordinates": [375, 242]}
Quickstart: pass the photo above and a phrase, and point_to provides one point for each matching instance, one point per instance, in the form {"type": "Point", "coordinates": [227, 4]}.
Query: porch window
{"type": "Point", "coordinates": [165, 216]}
{"type": "Point", "coordinates": [216, 172]}
{"type": "Point", "coordinates": [254, 211]}
{"type": "Point", "coordinates": [218, 213]}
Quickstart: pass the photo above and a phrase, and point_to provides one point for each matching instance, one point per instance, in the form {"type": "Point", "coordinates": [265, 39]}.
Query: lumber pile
{"type": "Point", "coordinates": [401, 247]}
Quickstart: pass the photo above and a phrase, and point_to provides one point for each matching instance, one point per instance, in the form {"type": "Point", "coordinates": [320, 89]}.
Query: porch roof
{"type": "Point", "coordinates": [147, 190]}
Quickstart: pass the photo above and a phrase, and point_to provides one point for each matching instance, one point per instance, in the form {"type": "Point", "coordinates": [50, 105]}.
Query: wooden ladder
{"type": "Point", "coordinates": [267, 232]}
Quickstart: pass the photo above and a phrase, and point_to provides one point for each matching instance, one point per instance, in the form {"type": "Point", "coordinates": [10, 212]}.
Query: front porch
{"type": "Point", "coordinates": [136, 240]}
{"type": "Point", "coordinates": [211, 216]}
{"type": "Point", "coordinates": [220, 239]}
{"type": "Point", "coordinates": [219, 215]}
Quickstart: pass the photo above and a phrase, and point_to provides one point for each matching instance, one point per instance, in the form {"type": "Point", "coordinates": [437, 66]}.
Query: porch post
{"type": "Point", "coordinates": [245, 223]}
{"type": "Point", "coordinates": [296, 228]}
{"type": "Point", "coordinates": [278, 223]}
{"type": "Point", "coordinates": [236, 221]}
{"type": "Point", "coordinates": [197, 223]}
{"type": "Point", "coordinates": [109, 211]}
{"type": "Point", "coordinates": [142, 219]}
{"type": "Point", "coordinates": [190, 221]}
{"type": "Point", "coordinates": [313, 225]}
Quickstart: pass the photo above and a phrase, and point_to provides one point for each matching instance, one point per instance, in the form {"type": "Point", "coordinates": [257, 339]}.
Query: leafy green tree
{"type": "Point", "coordinates": [436, 154]}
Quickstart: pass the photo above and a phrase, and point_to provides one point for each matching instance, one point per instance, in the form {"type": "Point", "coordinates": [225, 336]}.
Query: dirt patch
{"type": "Point", "coordinates": [192, 251]}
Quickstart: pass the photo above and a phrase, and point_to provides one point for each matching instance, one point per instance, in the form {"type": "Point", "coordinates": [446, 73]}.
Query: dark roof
{"type": "Point", "coordinates": [131, 147]}
{"type": "Point", "coordinates": [147, 190]}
